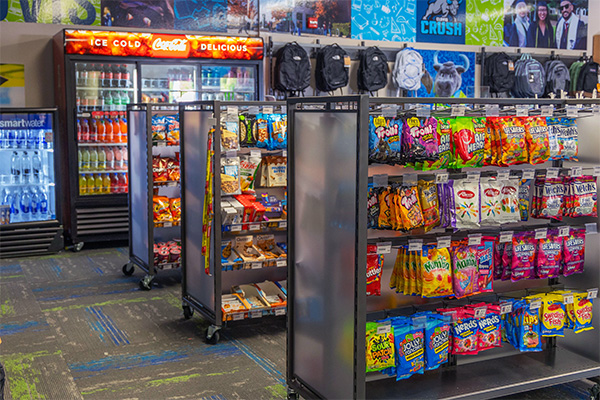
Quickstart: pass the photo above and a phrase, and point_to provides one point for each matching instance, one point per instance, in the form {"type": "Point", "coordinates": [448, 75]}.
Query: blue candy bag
{"type": "Point", "coordinates": [384, 139]}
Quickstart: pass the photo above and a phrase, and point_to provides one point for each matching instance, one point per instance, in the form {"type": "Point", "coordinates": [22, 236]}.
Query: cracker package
{"type": "Point", "coordinates": [230, 176]}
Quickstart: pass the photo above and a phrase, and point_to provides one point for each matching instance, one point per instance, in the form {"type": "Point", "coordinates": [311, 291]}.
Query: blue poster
{"type": "Point", "coordinates": [384, 20]}
{"type": "Point", "coordinates": [441, 21]}
{"type": "Point", "coordinates": [447, 74]}
{"type": "Point", "coordinates": [205, 16]}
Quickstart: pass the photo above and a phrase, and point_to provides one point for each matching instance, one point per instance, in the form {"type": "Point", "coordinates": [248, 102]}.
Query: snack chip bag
{"type": "Point", "coordinates": [437, 338]}
{"type": "Point", "coordinates": [553, 316]}
{"type": "Point", "coordinates": [437, 272]}
{"type": "Point", "coordinates": [247, 130]}
{"type": "Point", "coordinates": [549, 255]}
{"type": "Point", "coordinates": [419, 139]}
{"type": "Point", "coordinates": [584, 197]}
{"type": "Point", "coordinates": [464, 334]}
{"type": "Point", "coordinates": [529, 330]}
{"type": "Point", "coordinates": [230, 176]}
{"type": "Point", "coordinates": [161, 209]}
{"type": "Point", "coordinates": [230, 140]}
{"type": "Point", "coordinates": [574, 252]}
{"type": "Point", "coordinates": [175, 208]}
{"type": "Point", "coordinates": [538, 141]}
{"type": "Point", "coordinates": [491, 201]}
{"type": "Point", "coordinates": [485, 255]}
{"type": "Point", "coordinates": [568, 139]}
{"type": "Point", "coordinates": [582, 309]}
{"type": "Point", "coordinates": [262, 130]}
{"type": "Point", "coordinates": [489, 329]}
{"type": "Point", "coordinates": [513, 141]}
{"type": "Point", "coordinates": [277, 132]}
{"type": "Point", "coordinates": [159, 130]}
{"type": "Point", "coordinates": [465, 273]}
{"type": "Point", "coordinates": [410, 207]}
{"type": "Point", "coordinates": [374, 266]}
{"type": "Point", "coordinates": [523, 256]}
{"type": "Point", "coordinates": [466, 203]}
{"type": "Point", "coordinates": [444, 138]}
{"type": "Point", "coordinates": [428, 196]}
{"type": "Point", "coordinates": [410, 350]}
{"type": "Point", "coordinates": [524, 187]}
{"type": "Point", "coordinates": [468, 140]}
{"type": "Point", "coordinates": [509, 194]}
{"type": "Point", "coordinates": [384, 139]}
{"type": "Point", "coordinates": [380, 346]}
{"type": "Point", "coordinates": [172, 127]}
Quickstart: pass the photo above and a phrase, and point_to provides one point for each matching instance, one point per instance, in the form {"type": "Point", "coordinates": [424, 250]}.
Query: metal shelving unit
{"type": "Point", "coordinates": [327, 303]}
{"type": "Point", "coordinates": [202, 291]}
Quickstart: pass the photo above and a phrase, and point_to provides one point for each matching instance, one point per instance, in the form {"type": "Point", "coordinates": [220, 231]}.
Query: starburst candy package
{"type": "Point", "coordinates": [465, 272]}
{"type": "Point", "coordinates": [384, 139]}
{"type": "Point", "coordinates": [574, 252]}
{"type": "Point", "coordinates": [436, 272]}
{"type": "Point", "coordinates": [523, 256]}
{"type": "Point", "coordinates": [410, 348]}
{"type": "Point", "coordinates": [524, 204]}
{"type": "Point", "coordinates": [428, 197]}
{"type": "Point", "coordinates": [468, 144]}
{"type": "Point", "coordinates": [380, 347]}
{"type": "Point", "coordinates": [509, 199]}
{"type": "Point", "coordinates": [549, 255]}
{"type": "Point", "coordinates": [513, 141]}
{"type": "Point", "coordinates": [466, 203]}
{"type": "Point", "coordinates": [491, 201]}
{"type": "Point", "coordinates": [538, 140]}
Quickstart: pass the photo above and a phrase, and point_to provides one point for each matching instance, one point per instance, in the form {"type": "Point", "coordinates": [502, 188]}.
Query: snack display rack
{"type": "Point", "coordinates": [145, 230]}
{"type": "Point", "coordinates": [328, 307]}
{"type": "Point", "coordinates": [221, 286]}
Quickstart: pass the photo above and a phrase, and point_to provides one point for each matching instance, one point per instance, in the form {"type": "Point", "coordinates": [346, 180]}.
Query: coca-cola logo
{"type": "Point", "coordinates": [170, 47]}
{"type": "Point", "coordinates": [509, 190]}
{"type": "Point", "coordinates": [491, 192]}
{"type": "Point", "coordinates": [466, 194]}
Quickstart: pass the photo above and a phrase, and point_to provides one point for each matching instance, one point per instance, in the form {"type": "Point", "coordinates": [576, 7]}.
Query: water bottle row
{"type": "Point", "coordinates": [23, 139]}
{"type": "Point", "coordinates": [26, 168]}
{"type": "Point", "coordinates": [29, 204]}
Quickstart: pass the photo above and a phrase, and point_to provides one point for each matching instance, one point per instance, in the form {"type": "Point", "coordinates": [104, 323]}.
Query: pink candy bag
{"type": "Point", "coordinates": [549, 255]}
{"type": "Point", "coordinates": [523, 256]}
{"type": "Point", "coordinates": [574, 252]}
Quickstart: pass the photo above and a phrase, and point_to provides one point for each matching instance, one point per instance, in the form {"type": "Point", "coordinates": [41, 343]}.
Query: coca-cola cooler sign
{"type": "Point", "coordinates": [137, 44]}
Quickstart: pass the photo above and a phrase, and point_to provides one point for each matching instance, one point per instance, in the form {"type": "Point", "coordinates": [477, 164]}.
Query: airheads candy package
{"type": "Point", "coordinates": [437, 340]}
{"type": "Point", "coordinates": [538, 140]}
{"type": "Point", "coordinates": [380, 346]}
{"type": "Point", "coordinates": [465, 272]}
{"type": "Point", "coordinates": [553, 315]}
{"type": "Point", "coordinates": [444, 137]}
{"type": "Point", "coordinates": [549, 255]}
{"type": "Point", "coordinates": [468, 138]}
{"type": "Point", "coordinates": [466, 203]}
{"type": "Point", "coordinates": [582, 308]}
{"type": "Point", "coordinates": [491, 201]}
{"type": "Point", "coordinates": [523, 256]}
{"type": "Point", "coordinates": [513, 141]}
{"type": "Point", "coordinates": [485, 255]}
{"type": "Point", "coordinates": [384, 139]}
{"type": "Point", "coordinates": [419, 139]}
{"type": "Point", "coordinates": [410, 349]}
{"type": "Point", "coordinates": [529, 330]}
{"type": "Point", "coordinates": [574, 252]}
{"type": "Point", "coordinates": [436, 272]}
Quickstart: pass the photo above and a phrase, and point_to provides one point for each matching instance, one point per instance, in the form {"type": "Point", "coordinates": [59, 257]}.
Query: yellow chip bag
{"type": "Point", "coordinates": [410, 207]}
{"type": "Point", "coordinates": [428, 196]}
{"type": "Point", "coordinates": [384, 209]}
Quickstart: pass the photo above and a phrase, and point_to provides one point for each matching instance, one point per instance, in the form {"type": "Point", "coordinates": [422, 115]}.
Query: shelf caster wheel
{"type": "Point", "coordinates": [188, 312]}
{"type": "Point", "coordinates": [212, 335]}
{"type": "Point", "coordinates": [595, 392]}
{"type": "Point", "coordinates": [292, 395]}
{"type": "Point", "coordinates": [76, 247]}
{"type": "Point", "coordinates": [128, 269]}
{"type": "Point", "coordinates": [146, 282]}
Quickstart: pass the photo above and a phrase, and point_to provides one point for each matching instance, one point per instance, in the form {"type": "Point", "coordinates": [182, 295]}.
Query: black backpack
{"type": "Point", "coordinates": [292, 68]}
{"type": "Point", "coordinates": [372, 70]}
{"type": "Point", "coordinates": [530, 78]}
{"type": "Point", "coordinates": [557, 77]}
{"type": "Point", "coordinates": [331, 72]}
{"type": "Point", "coordinates": [588, 77]}
{"type": "Point", "coordinates": [499, 73]}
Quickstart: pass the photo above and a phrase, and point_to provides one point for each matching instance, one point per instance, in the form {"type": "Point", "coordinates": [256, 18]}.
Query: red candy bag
{"type": "Point", "coordinates": [374, 267]}
{"type": "Point", "coordinates": [574, 252]}
{"type": "Point", "coordinates": [549, 255]}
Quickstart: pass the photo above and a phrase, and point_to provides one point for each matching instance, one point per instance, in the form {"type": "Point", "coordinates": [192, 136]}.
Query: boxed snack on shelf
{"type": "Point", "coordinates": [229, 257]}
{"type": "Point", "coordinates": [272, 294]}
{"type": "Point", "coordinates": [273, 207]}
{"type": "Point", "coordinates": [271, 251]}
{"type": "Point", "coordinates": [273, 171]}
{"type": "Point", "coordinates": [252, 296]}
{"type": "Point", "coordinates": [244, 246]}
{"type": "Point", "coordinates": [232, 304]}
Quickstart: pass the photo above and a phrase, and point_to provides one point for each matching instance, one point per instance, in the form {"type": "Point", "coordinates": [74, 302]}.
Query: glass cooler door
{"type": "Point", "coordinates": [169, 83]}
{"type": "Point", "coordinates": [229, 83]}
{"type": "Point", "coordinates": [28, 190]}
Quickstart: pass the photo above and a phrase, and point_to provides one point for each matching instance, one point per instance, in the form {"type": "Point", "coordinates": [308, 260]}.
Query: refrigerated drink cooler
{"type": "Point", "coordinates": [98, 73]}
{"type": "Point", "coordinates": [29, 208]}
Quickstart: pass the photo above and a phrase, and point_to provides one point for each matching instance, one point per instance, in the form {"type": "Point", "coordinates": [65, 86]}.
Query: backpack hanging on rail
{"type": "Point", "coordinates": [588, 77]}
{"type": "Point", "coordinates": [499, 73]}
{"type": "Point", "coordinates": [530, 78]}
{"type": "Point", "coordinates": [408, 69]}
{"type": "Point", "coordinates": [557, 77]}
{"type": "Point", "coordinates": [372, 70]}
{"type": "Point", "coordinates": [332, 67]}
{"type": "Point", "coordinates": [574, 71]}
{"type": "Point", "coordinates": [292, 69]}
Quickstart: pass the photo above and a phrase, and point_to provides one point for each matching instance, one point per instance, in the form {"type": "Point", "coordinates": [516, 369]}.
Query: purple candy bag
{"type": "Point", "coordinates": [549, 255]}
{"type": "Point", "coordinates": [523, 256]}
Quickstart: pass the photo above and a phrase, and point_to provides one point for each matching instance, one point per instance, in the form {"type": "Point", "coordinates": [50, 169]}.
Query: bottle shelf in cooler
{"type": "Point", "coordinates": [51, 184]}
{"type": "Point", "coordinates": [102, 171]}
{"type": "Point", "coordinates": [218, 89]}
{"type": "Point", "coordinates": [168, 90]}
{"type": "Point", "coordinates": [106, 89]}
{"type": "Point", "coordinates": [123, 144]}
{"type": "Point", "coordinates": [23, 149]}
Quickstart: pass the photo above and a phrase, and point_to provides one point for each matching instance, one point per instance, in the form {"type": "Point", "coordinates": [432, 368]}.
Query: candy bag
{"type": "Point", "coordinates": [582, 309]}
{"type": "Point", "coordinates": [551, 199]}
{"type": "Point", "coordinates": [568, 139]}
{"type": "Point", "coordinates": [523, 256]}
{"type": "Point", "coordinates": [524, 187]}
{"type": "Point", "coordinates": [574, 252]}
{"type": "Point", "coordinates": [464, 334]}
{"type": "Point", "coordinates": [419, 139]}
{"type": "Point", "coordinates": [437, 337]}
{"type": "Point", "coordinates": [584, 197]}
{"type": "Point", "coordinates": [509, 210]}
{"type": "Point", "coordinates": [437, 272]}
{"type": "Point", "coordinates": [485, 256]}
{"type": "Point", "coordinates": [468, 139]}
{"type": "Point", "coordinates": [464, 270]}
{"type": "Point", "coordinates": [373, 207]}
{"type": "Point", "coordinates": [428, 197]}
{"type": "Point", "coordinates": [513, 141]}
{"type": "Point", "coordinates": [374, 266]}
{"type": "Point", "coordinates": [409, 348]}
{"type": "Point", "coordinates": [384, 139]}
{"type": "Point", "coordinates": [537, 136]}
{"type": "Point", "coordinates": [549, 255]}
{"type": "Point", "coordinates": [529, 330]}
{"type": "Point", "coordinates": [466, 203]}
{"type": "Point", "coordinates": [410, 207]}
{"type": "Point", "coordinates": [553, 137]}
{"type": "Point", "coordinates": [444, 138]}
{"type": "Point", "coordinates": [498, 252]}
{"type": "Point", "coordinates": [491, 201]}
{"type": "Point", "coordinates": [489, 329]}
{"type": "Point", "coordinates": [553, 316]}
{"type": "Point", "coordinates": [507, 261]}
{"type": "Point", "coordinates": [277, 132]}
{"type": "Point", "coordinates": [384, 208]}
{"type": "Point", "coordinates": [380, 347]}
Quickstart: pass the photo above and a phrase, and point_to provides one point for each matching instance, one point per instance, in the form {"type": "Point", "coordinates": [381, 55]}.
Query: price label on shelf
{"type": "Point", "coordinates": [256, 265]}
{"type": "Point", "coordinates": [506, 236]}
{"type": "Point", "coordinates": [503, 175]}
{"type": "Point", "coordinates": [441, 177]}
{"type": "Point", "coordinates": [572, 111]}
{"type": "Point", "coordinates": [528, 173]}
{"type": "Point", "coordinates": [473, 176]}
{"type": "Point", "coordinates": [522, 110]}
{"type": "Point", "coordinates": [423, 111]}
{"type": "Point", "coordinates": [237, 317]}
{"type": "Point", "coordinates": [475, 239]}
{"type": "Point", "coordinates": [267, 109]}
{"type": "Point", "coordinates": [591, 228]}
{"type": "Point", "coordinates": [172, 184]}
{"type": "Point", "coordinates": [254, 227]}
{"type": "Point", "coordinates": [443, 242]}
{"type": "Point", "coordinates": [232, 110]}
{"type": "Point", "coordinates": [281, 263]}
{"type": "Point", "coordinates": [576, 171]}
{"type": "Point", "coordinates": [253, 110]}
{"type": "Point", "coordinates": [283, 224]}
{"type": "Point", "coordinates": [256, 314]}
{"type": "Point", "coordinates": [452, 315]}
{"type": "Point", "coordinates": [284, 153]}
{"type": "Point", "coordinates": [161, 144]}
{"type": "Point", "coordinates": [563, 231]}
{"type": "Point", "coordinates": [458, 110]}
{"type": "Point", "coordinates": [409, 179]}
{"type": "Point", "coordinates": [236, 228]}
{"type": "Point", "coordinates": [380, 180]}
{"type": "Point", "coordinates": [505, 308]}
{"type": "Point", "coordinates": [568, 298]}
{"type": "Point", "coordinates": [415, 245]}
{"type": "Point", "coordinates": [592, 293]}
{"type": "Point", "coordinates": [547, 111]}
{"type": "Point", "coordinates": [541, 233]}
{"type": "Point", "coordinates": [552, 173]}
{"type": "Point", "coordinates": [212, 121]}
{"type": "Point", "coordinates": [255, 154]}
{"type": "Point", "coordinates": [280, 311]}
{"type": "Point", "coordinates": [168, 224]}
{"type": "Point", "coordinates": [231, 153]}
{"type": "Point", "coordinates": [384, 329]}
{"type": "Point", "coordinates": [492, 110]}
{"type": "Point", "coordinates": [480, 312]}
{"type": "Point", "coordinates": [535, 304]}
{"type": "Point", "coordinates": [596, 171]}
{"type": "Point", "coordinates": [284, 109]}
{"type": "Point", "coordinates": [384, 247]}
{"type": "Point", "coordinates": [389, 110]}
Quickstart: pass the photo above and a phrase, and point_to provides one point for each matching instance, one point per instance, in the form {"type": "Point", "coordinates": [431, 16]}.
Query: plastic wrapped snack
{"type": "Point", "coordinates": [466, 203]}
{"type": "Point", "coordinates": [230, 176]}
{"type": "Point", "coordinates": [538, 140]}
{"type": "Point", "coordinates": [380, 347]}
{"type": "Point", "coordinates": [172, 125]}
{"type": "Point", "coordinates": [468, 143]}
{"type": "Point", "coordinates": [161, 209]}
{"type": "Point", "coordinates": [230, 140]}
{"type": "Point", "coordinates": [384, 139]}
{"type": "Point", "coordinates": [248, 171]}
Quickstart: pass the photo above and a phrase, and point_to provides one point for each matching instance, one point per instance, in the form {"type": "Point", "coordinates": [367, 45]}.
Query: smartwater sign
{"type": "Point", "coordinates": [25, 121]}
{"type": "Point", "coordinates": [441, 21]}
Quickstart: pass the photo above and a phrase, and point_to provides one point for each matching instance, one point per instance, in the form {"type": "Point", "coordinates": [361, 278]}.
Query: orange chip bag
{"type": "Point", "coordinates": [175, 208]}
{"type": "Point", "coordinates": [161, 209]}
{"type": "Point", "coordinates": [538, 140]}
{"type": "Point", "coordinates": [514, 143]}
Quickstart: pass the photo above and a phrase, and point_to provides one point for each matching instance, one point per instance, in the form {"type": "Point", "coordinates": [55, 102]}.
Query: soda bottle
{"type": "Point", "coordinates": [35, 206]}
{"type": "Point", "coordinates": [125, 76]}
{"type": "Point", "coordinates": [85, 131]}
{"type": "Point", "coordinates": [36, 167]}
{"type": "Point", "coordinates": [98, 184]}
{"type": "Point", "coordinates": [101, 159]}
{"type": "Point", "coordinates": [43, 203]}
{"type": "Point", "coordinates": [101, 128]}
{"type": "Point", "coordinates": [118, 158]}
{"type": "Point", "coordinates": [90, 184]}
{"type": "Point", "coordinates": [116, 81]}
{"type": "Point", "coordinates": [122, 182]}
{"type": "Point", "coordinates": [114, 183]}
{"type": "Point", "coordinates": [123, 124]}
{"type": "Point", "coordinates": [25, 205]}
{"type": "Point", "coordinates": [116, 128]}
{"type": "Point", "coordinates": [79, 130]}
{"type": "Point", "coordinates": [110, 158]}
{"type": "Point", "coordinates": [108, 76]}
{"type": "Point", "coordinates": [83, 189]}
{"type": "Point", "coordinates": [15, 167]}
{"type": "Point", "coordinates": [125, 99]}
{"type": "Point", "coordinates": [85, 159]}
{"type": "Point", "coordinates": [108, 129]}
{"type": "Point", "coordinates": [15, 208]}
{"type": "Point", "coordinates": [108, 100]}
{"type": "Point", "coordinates": [94, 159]}
{"type": "Point", "coordinates": [105, 184]}
{"type": "Point", "coordinates": [94, 128]}
{"type": "Point", "coordinates": [83, 75]}
{"type": "Point", "coordinates": [102, 77]}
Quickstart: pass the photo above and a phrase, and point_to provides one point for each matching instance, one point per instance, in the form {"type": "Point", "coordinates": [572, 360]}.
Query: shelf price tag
{"type": "Point", "coordinates": [591, 229]}
{"type": "Point", "coordinates": [256, 265]}
{"type": "Point", "coordinates": [281, 263]}
{"type": "Point", "coordinates": [415, 245]}
{"type": "Point", "coordinates": [547, 111]}
{"type": "Point", "coordinates": [409, 179]}
{"type": "Point", "coordinates": [232, 110]}
{"type": "Point", "coordinates": [522, 110]}
{"type": "Point", "coordinates": [541, 233]}
{"type": "Point", "coordinates": [441, 177]}
{"type": "Point", "coordinates": [172, 184]}
{"type": "Point", "coordinates": [576, 171]}
{"type": "Point", "coordinates": [492, 110]}
{"type": "Point", "coordinates": [168, 224]}
{"type": "Point", "coordinates": [552, 173]}
{"type": "Point", "coordinates": [423, 110]}
{"type": "Point", "coordinates": [505, 308]}
{"type": "Point", "coordinates": [473, 176]}
{"type": "Point", "coordinates": [452, 315]}
{"type": "Point", "coordinates": [280, 311]}
{"type": "Point", "coordinates": [380, 180]}
{"type": "Point", "coordinates": [231, 153]}
{"type": "Point", "coordinates": [563, 231]}
{"type": "Point", "coordinates": [256, 314]}
{"type": "Point", "coordinates": [254, 227]}
{"type": "Point", "coordinates": [596, 171]}
{"type": "Point", "coordinates": [284, 153]}
{"type": "Point", "coordinates": [443, 242]}
{"type": "Point", "coordinates": [283, 224]}
{"type": "Point", "coordinates": [384, 329]}
{"type": "Point", "coordinates": [528, 173]}
{"type": "Point", "coordinates": [503, 175]}
{"type": "Point", "coordinates": [284, 109]}
{"type": "Point", "coordinates": [236, 228]}
{"type": "Point", "coordinates": [255, 154]}
{"type": "Point", "coordinates": [267, 109]}
{"type": "Point", "coordinates": [475, 239]}
{"type": "Point", "coordinates": [480, 312]}
{"type": "Point", "coordinates": [384, 247]}
{"type": "Point", "coordinates": [572, 111]}
{"type": "Point", "coordinates": [389, 110]}
{"type": "Point", "coordinates": [253, 110]}
{"type": "Point", "coordinates": [592, 293]}
{"type": "Point", "coordinates": [458, 110]}
{"type": "Point", "coordinates": [506, 236]}
{"type": "Point", "coordinates": [161, 143]}
{"type": "Point", "coordinates": [237, 317]}
{"type": "Point", "coordinates": [535, 304]}
{"type": "Point", "coordinates": [568, 298]}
